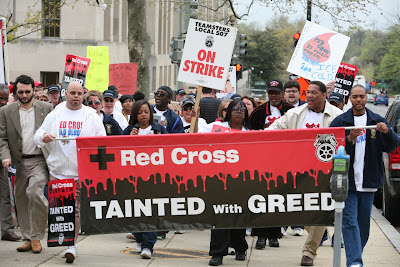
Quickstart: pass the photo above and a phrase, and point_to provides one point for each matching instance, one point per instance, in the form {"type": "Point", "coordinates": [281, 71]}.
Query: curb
{"type": "Point", "coordinates": [390, 232]}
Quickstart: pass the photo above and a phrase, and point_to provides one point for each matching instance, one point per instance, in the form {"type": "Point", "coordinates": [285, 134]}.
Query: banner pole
{"type": "Point", "coordinates": [196, 107]}
{"type": "Point", "coordinates": [64, 138]}
{"type": "Point", "coordinates": [360, 127]}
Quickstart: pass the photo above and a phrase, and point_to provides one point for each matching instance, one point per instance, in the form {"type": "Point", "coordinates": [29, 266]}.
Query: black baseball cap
{"type": "Point", "coordinates": [336, 97]}
{"type": "Point", "coordinates": [275, 85]}
{"type": "Point", "coordinates": [180, 91]}
{"type": "Point", "coordinates": [109, 93]}
{"type": "Point", "coordinates": [53, 87]}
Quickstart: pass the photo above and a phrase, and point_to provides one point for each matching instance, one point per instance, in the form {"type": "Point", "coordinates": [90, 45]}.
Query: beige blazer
{"type": "Point", "coordinates": [11, 133]}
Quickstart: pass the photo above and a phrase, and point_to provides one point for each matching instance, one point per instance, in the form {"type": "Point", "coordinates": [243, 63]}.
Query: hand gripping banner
{"type": "Point", "coordinates": [197, 181]}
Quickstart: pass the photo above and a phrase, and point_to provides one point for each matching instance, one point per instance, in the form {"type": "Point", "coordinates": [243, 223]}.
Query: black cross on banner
{"type": "Point", "coordinates": [102, 157]}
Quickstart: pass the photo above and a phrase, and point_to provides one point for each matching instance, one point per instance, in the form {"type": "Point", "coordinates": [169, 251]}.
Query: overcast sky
{"type": "Point", "coordinates": [379, 18]}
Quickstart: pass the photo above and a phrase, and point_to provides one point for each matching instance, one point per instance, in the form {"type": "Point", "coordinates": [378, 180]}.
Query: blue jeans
{"type": "Point", "coordinates": [147, 239]}
{"type": "Point", "coordinates": [356, 224]}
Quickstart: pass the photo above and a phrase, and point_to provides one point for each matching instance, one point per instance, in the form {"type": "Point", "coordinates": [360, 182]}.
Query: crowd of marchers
{"type": "Point", "coordinates": [34, 120]}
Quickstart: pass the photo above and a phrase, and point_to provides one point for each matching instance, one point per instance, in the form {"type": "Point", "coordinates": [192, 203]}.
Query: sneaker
{"type": "Point", "coordinates": [70, 254]}
{"type": "Point", "coordinates": [180, 232]}
{"type": "Point", "coordinates": [231, 251]}
{"type": "Point", "coordinates": [324, 238]}
{"type": "Point", "coordinates": [283, 231]}
{"type": "Point", "coordinates": [146, 253]}
{"type": "Point", "coordinates": [248, 231]}
{"type": "Point", "coordinates": [161, 235]}
{"type": "Point", "coordinates": [130, 236]}
{"type": "Point", "coordinates": [298, 232]}
{"type": "Point", "coordinates": [70, 247]}
{"type": "Point", "coordinates": [139, 247]}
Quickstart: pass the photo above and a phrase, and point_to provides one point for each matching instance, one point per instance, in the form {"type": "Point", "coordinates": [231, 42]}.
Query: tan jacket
{"type": "Point", "coordinates": [294, 117]}
{"type": "Point", "coordinates": [10, 130]}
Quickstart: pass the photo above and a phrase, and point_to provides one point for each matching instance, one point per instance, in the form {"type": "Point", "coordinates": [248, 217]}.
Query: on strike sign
{"type": "Point", "coordinates": [207, 54]}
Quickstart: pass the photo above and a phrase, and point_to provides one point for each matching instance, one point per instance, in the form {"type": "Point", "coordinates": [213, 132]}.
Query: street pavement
{"type": "Point", "coordinates": [191, 249]}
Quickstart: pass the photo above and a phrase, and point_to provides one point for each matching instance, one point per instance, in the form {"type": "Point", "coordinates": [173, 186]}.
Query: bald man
{"type": "Point", "coordinates": [69, 119]}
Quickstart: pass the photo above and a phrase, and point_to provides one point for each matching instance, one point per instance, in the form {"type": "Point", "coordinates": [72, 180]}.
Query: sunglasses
{"type": "Point", "coordinates": [273, 92]}
{"type": "Point", "coordinates": [108, 100]}
{"type": "Point", "coordinates": [237, 109]}
{"type": "Point", "coordinates": [27, 92]}
{"type": "Point", "coordinates": [160, 94]}
{"type": "Point", "coordinates": [96, 102]}
{"type": "Point", "coordinates": [187, 108]}
{"type": "Point", "coordinates": [225, 109]}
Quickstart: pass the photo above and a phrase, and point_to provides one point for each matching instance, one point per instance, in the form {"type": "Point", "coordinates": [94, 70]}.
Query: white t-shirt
{"type": "Point", "coordinates": [120, 119]}
{"type": "Point", "coordinates": [275, 114]}
{"type": "Point", "coordinates": [186, 125]}
{"type": "Point", "coordinates": [208, 127]}
{"type": "Point", "coordinates": [163, 120]}
{"type": "Point", "coordinates": [71, 124]}
{"type": "Point", "coordinates": [312, 119]}
{"type": "Point", "coordinates": [359, 155]}
{"type": "Point", "coordinates": [118, 106]}
{"type": "Point", "coordinates": [145, 131]}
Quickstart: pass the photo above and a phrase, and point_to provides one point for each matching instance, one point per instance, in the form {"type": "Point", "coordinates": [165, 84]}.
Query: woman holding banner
{"type": "Point", "coordinates": [141, 123]}
{"type": "Point", "coordinates": [236, 118]}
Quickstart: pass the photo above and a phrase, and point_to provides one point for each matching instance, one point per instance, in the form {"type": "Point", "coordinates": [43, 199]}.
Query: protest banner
{"type": "Point", "coordinates": [12, 171]}
{"type": "Point", "coordinates": [124, 77]}
{"type": "Point", "coordinates": [344, 80]}
{"type": "Point", "coordinates": [197, 181]}
{"type": "Point", "coordinates": [221, 129]}
{"type": "Point", "coordinates": [97, 76]}
{"type": "Point", "coordinates": [75, 70]}
{"type": "Point", "coordinates": [318, 53]}
{"type": "Point", "coordinates": [230, 85]}
{"type": "Point", "coordinates": [61, 219]}
{"type": "Point", "coordinates": [207, 54]}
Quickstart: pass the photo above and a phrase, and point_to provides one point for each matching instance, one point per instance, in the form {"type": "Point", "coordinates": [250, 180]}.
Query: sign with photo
{"type": "Point", "coordinates": [345, 79]}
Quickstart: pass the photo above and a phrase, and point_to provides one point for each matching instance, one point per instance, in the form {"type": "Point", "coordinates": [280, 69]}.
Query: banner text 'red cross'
{"type": "Point", "coordinates": [196, 181]}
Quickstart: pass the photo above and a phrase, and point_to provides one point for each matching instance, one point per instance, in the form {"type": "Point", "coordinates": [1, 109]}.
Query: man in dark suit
{"type": "Point", "coordinates": [18, 124]}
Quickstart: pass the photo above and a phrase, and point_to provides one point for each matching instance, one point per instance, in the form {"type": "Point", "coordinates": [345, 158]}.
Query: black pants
{"type": "Point", "coordinates": [270, 232]}
{"type": "Point", "coordinates": [221, 238]}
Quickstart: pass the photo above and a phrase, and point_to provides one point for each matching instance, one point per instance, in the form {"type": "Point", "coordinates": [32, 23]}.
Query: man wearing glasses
{"type": "Point", "coordinates": [108, 106]}
{"type": "Point", "coordinates": [18, 123]}
{"type": "Point", "coordinates": [168, 118]}
{"type": "Point", "coordinates": [292, 93]}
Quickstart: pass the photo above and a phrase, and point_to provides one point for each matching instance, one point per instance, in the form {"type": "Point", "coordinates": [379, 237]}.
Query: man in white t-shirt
{"type": "Point", "coordinates": [366, 173]}
{"type": "Point", "coordinates": [109, 100]}
{"type": "Point", "coordinates": [69, 119]}
{"type": "Point", "coordinates": [318, 113]}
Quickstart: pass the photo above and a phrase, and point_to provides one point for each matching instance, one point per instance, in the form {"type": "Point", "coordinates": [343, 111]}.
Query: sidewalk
{"type": "Point", "coordinates": [191, 249]}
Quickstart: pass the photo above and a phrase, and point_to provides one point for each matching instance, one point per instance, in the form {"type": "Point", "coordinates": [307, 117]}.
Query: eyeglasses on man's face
{"type": "Point", "coordinates": [27, 92]}
{"type": "Point", "coordinates": [160, 94]}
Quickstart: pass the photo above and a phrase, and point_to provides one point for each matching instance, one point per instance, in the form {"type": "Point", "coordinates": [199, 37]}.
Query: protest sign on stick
{"type": "Point", "coordinates": [206, 56]}
{"type": "Point", "coordinates": [75, 70]}
{"type": "Point", "coordinates": [97, 76]}
{"type": "Point", "coordinates": [318, 53]}
{"type": "Point", "coordinates": [124, 77]}
{"type": "Point", "coordinates": [344, 80]}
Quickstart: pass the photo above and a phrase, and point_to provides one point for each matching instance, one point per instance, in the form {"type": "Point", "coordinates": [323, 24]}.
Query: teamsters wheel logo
{"type": "Point", "coordinates": [209, 41]}
{"type": "Point", "coordinates": [325, 147]}
{"type": "Point", "coordinates": [61, 238]}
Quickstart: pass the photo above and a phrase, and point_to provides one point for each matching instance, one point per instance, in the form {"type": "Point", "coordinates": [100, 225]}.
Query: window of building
{"type": "Point", "coordinates": [51, 18]}
{"type": "Point", "coordinates": [49, 78]}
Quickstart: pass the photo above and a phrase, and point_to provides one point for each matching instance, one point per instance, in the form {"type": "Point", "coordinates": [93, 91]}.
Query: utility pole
{"type": "Point", "coordinates": [309, 4]}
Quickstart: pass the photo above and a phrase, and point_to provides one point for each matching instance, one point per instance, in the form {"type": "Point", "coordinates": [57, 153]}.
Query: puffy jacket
{"type": "Point", "coordinates": [260, 113]}
{"type": "Point", "coordinates": [293, 119]}
{"type": "Point", "coordinates": [57, 162]}
{"type": "Point", "coordinates": [376, 143]}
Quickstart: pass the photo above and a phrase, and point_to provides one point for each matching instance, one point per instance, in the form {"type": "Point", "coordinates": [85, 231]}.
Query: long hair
{"type": "Point", "coordinates": [135, 112]}
{"type": "Point", "coordinates": [221, 108]}
{"type": "Point", "coordinates": [230, 109]}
